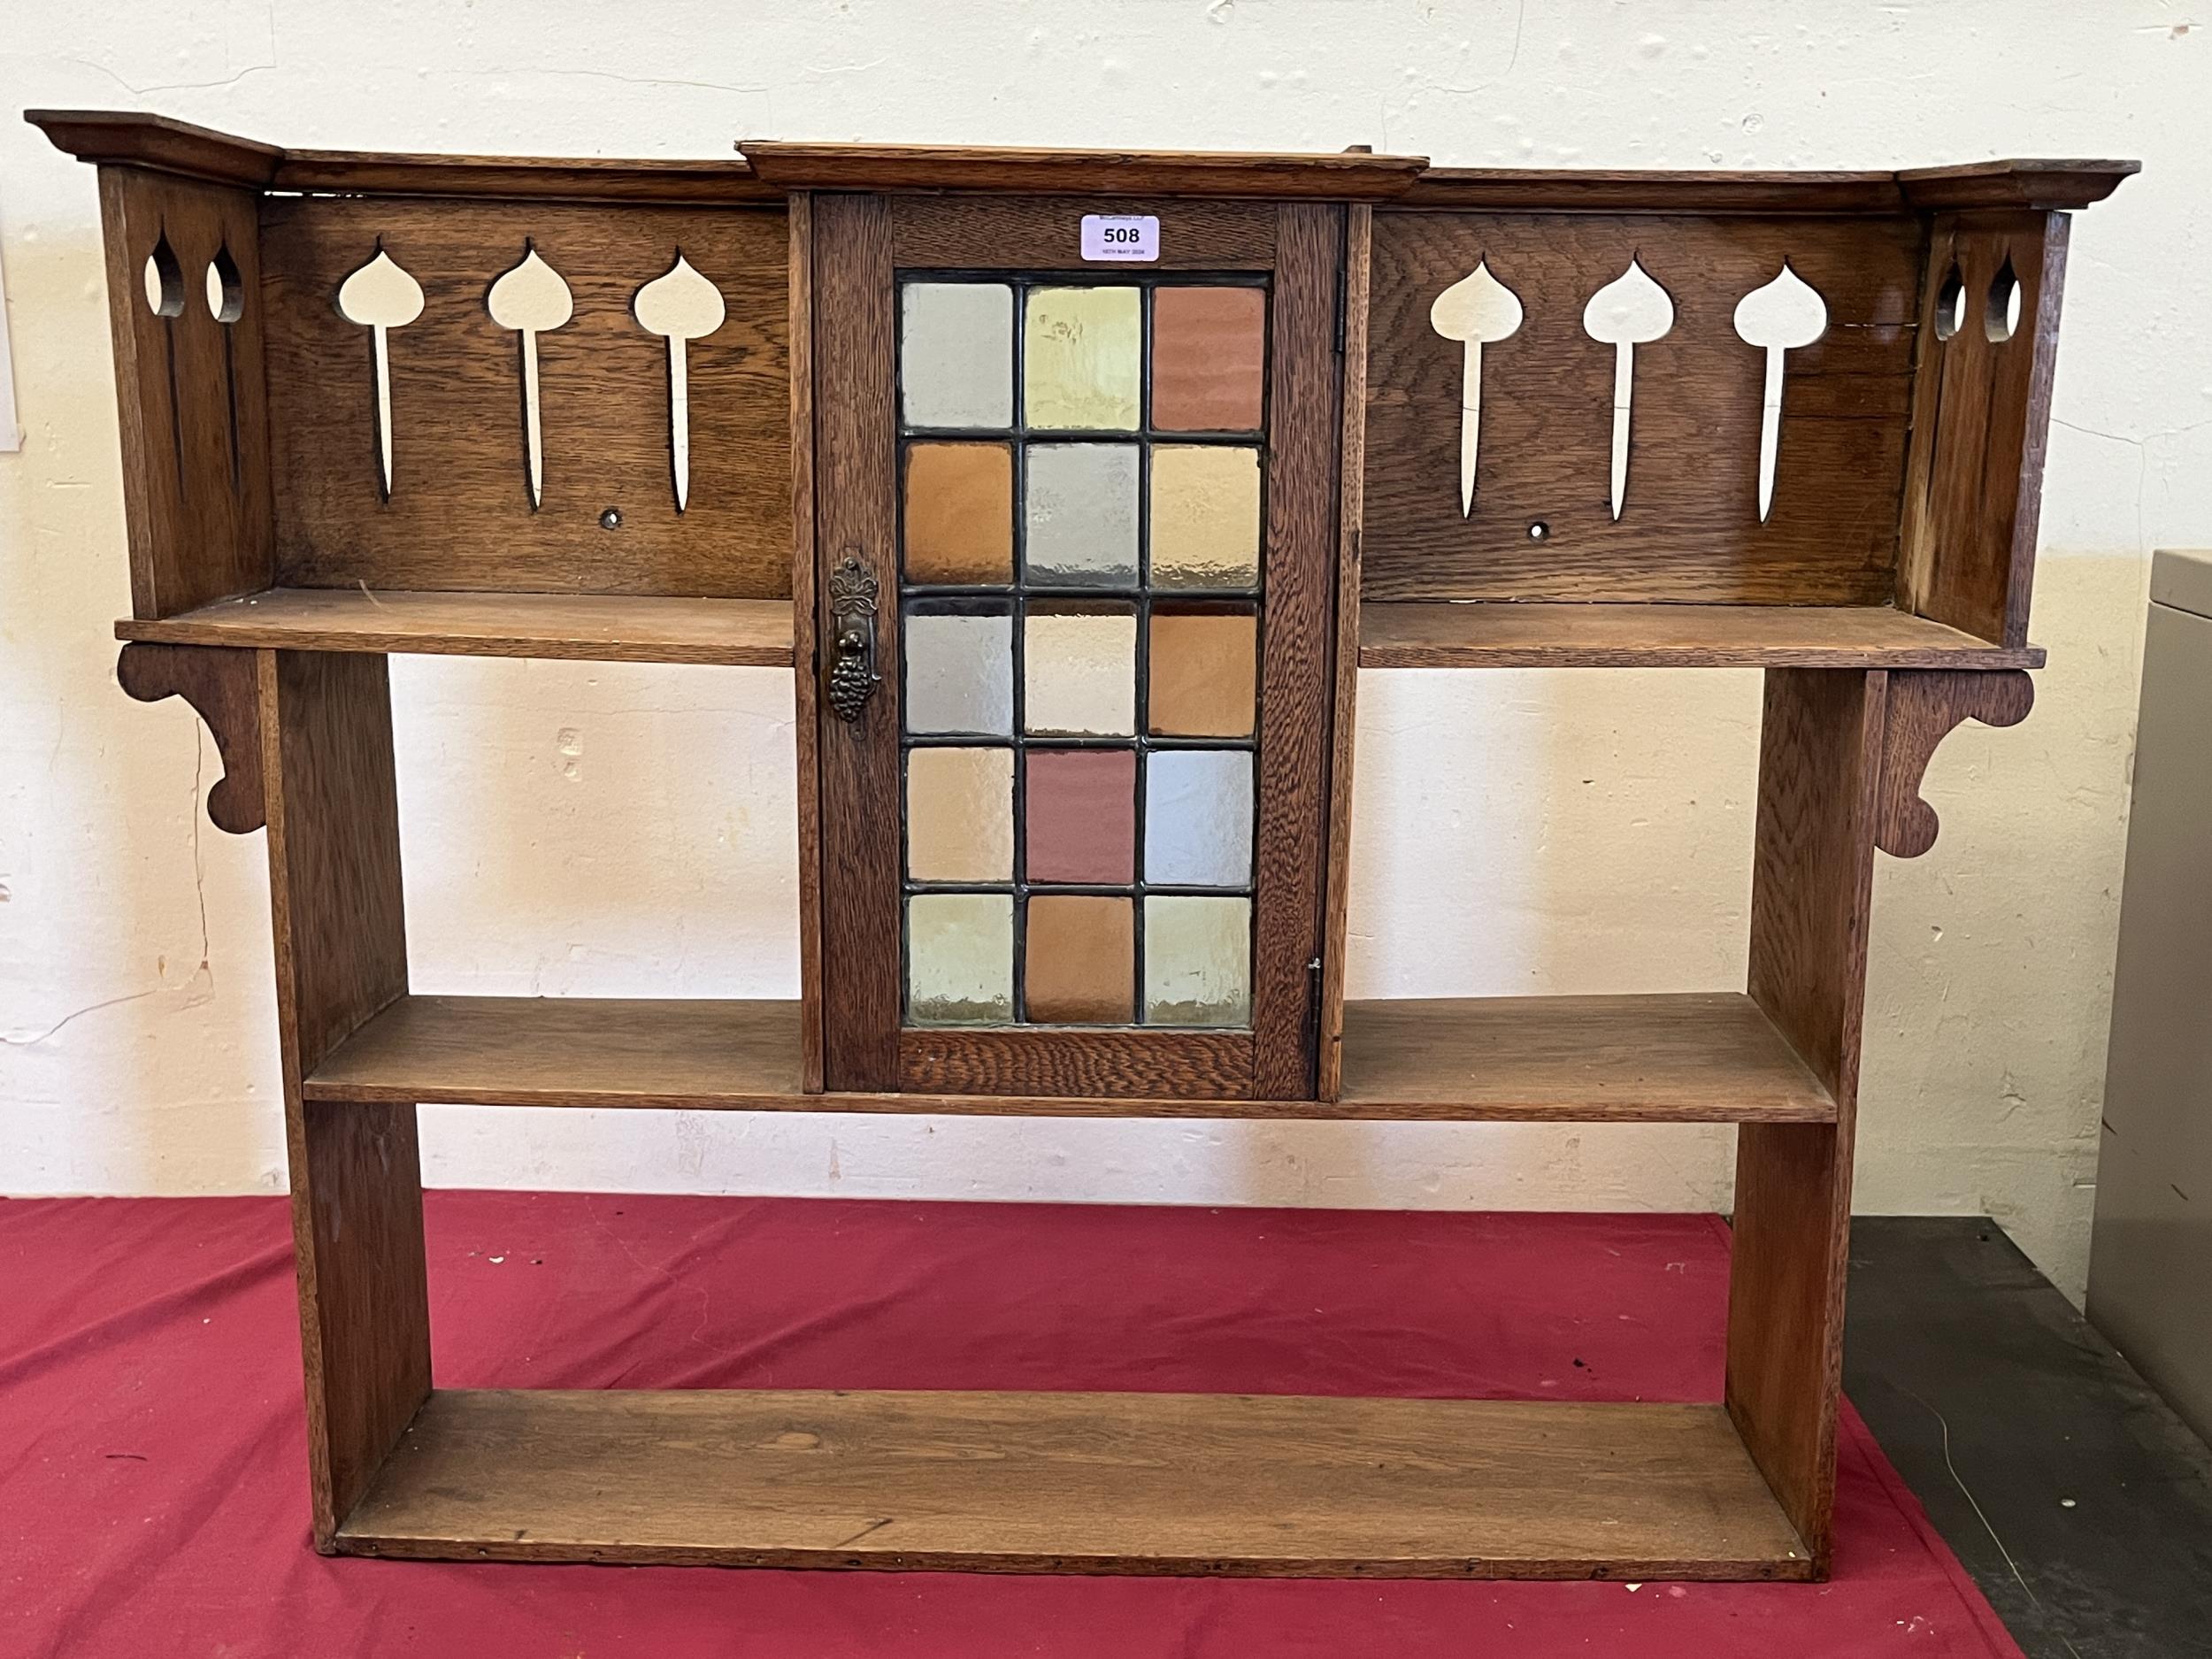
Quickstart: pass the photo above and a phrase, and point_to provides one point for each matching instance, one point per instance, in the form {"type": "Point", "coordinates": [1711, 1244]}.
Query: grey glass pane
{"type": "Point", "coordinates": [960, 959]}
{"type": "Point", "coordinates": [1082, 514]}
{"type": "Point", "coordinates": [959, 672]}
{"type": "Point", "coordinates": [1198, 817]}
{"type": "Point", "coordinates": [1197, 961]}
{"type": "Point", "coordinates": [957, 354]}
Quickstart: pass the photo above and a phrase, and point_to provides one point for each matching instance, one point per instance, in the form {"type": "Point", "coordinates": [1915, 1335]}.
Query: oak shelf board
{"type": "Point", "coordinates": [1705, 1057]}
{"type": "Point", "coordinates": [585, 627]}
{"type": "Point", "coordinates": [1497, 633]}
{"type": "Point", "coordinates": [1214, 1484]}
{"type": "Point", "coordinates": [675, 1052]}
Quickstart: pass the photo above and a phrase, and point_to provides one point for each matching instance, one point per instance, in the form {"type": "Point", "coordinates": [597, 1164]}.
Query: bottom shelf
{"type": "Point", "coordinates": [1239, 1485]}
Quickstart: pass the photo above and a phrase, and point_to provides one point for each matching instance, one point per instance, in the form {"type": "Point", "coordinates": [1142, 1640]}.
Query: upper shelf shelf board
{"type": "Point", "coordinates": [766, 169]}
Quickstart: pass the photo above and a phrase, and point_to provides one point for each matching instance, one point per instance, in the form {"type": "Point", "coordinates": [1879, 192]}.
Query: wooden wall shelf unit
{"type": "Point", "coordinates": [1074, 488]}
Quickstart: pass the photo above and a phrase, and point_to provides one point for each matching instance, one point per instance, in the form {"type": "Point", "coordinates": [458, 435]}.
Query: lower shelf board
{"type": "Point", "coordinates": [1696, 1057]}
{"type": "Point", "coordinates": [1506, 634]}
{"type": "Point", "coordinates": [1231, 1484]}
{"type": "Point", "coordinates": [589, 627]}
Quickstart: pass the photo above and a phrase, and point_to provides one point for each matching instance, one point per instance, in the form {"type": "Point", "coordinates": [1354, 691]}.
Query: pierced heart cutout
{"type": "Point", "coordinates": [1781, 317]}
{"type": "Point", "coordinates": [531, 299]}
{"type": "Point", "coordinates": [1631, 311]}
{"type": "Point", "coordinates": [1475, 310]}
{"type": "Point", "coordinates": [682, 305]}
{"type": "Point", "coordinates": [381, 296]}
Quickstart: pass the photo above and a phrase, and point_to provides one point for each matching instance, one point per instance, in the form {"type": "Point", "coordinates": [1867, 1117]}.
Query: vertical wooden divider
{"type": "Point", "coordinates": [1812, 872]}
{"type": "Point", "coordinates": [806, 670]}
{"type": "Point", "coordinates": [341, 956]}
{"type": "Point", "coordinates": [1351, 495]}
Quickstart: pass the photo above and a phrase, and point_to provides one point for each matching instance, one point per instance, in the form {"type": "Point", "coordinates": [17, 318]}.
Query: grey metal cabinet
{"type": "Point", "coordinates": [2150, 1265]}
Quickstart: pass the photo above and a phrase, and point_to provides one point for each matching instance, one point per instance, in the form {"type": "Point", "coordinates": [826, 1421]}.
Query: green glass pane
{"type": "Point", "coordinates": [960, 959]}
{"type": "Point", "coordinates": [1197, 961]}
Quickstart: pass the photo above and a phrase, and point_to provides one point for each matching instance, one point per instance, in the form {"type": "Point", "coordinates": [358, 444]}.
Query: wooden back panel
{"type": "Point", "coordinates": [189, 391]}
{"type": "Point", "coordinates": [459, 515]}
{"type": "Point", "coordinates": [1690, 530]}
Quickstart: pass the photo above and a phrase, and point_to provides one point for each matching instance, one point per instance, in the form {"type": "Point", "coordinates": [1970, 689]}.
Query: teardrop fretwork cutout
{"type": "Point", "coordinates": [1780, 317]}
{"type": "Point", "coordinates": [165, 280]}
{"type": "Point", "coordinates": [1950, 308]}
{"type": "Point", "coordinates": [679, 305]}
{"type": "Point", "coordinates": [1477, 310]}
{"type": "Point", "coordinates": [381, 296]}
{"type": "Point", "coordinates": [226, 291]}
{"type": "Point", "coordinates": [2001, 320]}
{"type": "Point", "coordinates": [1631, 311]}
{"type": "Point", "coordinates": [227, 303]}
{"type": "Point", "coordinates": [532, 299]}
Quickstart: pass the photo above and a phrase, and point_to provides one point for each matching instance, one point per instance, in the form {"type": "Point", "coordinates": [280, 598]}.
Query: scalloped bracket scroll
{"type": "Point", "coordinates": [219, 684]}
{"type": "Point", "coordinates": [1923, 707]}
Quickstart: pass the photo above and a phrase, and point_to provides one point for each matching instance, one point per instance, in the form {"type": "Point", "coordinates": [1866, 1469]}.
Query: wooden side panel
{"type": "Point", "coordinates": [858, 761]}
{"type": "Point", "coordinates": [341, 956]}
{"type": "Point", "coordinates": [190, 389]}
{"type": "Point", "coordinates": [1298, 616]}
{"type": "Point", "coordinates": [1351, 481]}
{"type": "Point", "coordinates": [460, 515]}
{"type": "Point", "coordinates": [1980, 418]}
{"type": "Point", "coordinates": [805, 682]}
{"type": "Point", "coordinates": [1819, 765]}
{"type": "Point", "coordinates": [1689, 531]}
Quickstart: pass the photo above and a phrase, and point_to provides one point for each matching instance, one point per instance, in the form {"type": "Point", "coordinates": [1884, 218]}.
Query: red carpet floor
{"type": "Point", "coordinates": [153, 1492]}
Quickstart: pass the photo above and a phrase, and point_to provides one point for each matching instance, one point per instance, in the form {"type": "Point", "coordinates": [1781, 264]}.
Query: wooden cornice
{"type": "Point", "coordinates": [766, 170]}
{"type": "Point", "coordinates": [1345, 176]}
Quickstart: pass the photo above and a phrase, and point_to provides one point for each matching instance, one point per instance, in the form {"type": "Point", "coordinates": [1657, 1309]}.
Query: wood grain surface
{"type": "Point", "coordinates": [1479, 634]}
{"type": "Point", "coordinates": [189, 393]}
{"type": "Point", "coordinates": [586, 627]}
{"type": "Point", "coordinates": [460, 517]}
{"type": "Point", "coordinates": [1344, 651]}
{"type": "Point", "coordinates": [1920, 712]}
{"type": "Point", "coordinates": [1694, 1057]}
{"type": "Point", "coordinates": [1689, 531]}
{"type": "Point", "coordinates": [1812, 874]}
{"type": "Point", "coordinates": [1980, 421]}
{"type": "Point", "coordinates": [1046, 232]}
{"type": "Point", "coordinates": [1700, 1057]}
{"type": "Point", "coordinates": [341, 950]}
{"type": "Point", "coordinates": [224, 690]}
{"type": "Point", "coordinates": [1341, 176]}
{"type": "Point", "coordinates": [1215, 1484]}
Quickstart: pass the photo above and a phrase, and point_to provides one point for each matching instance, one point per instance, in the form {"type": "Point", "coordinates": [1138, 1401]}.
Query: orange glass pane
{"type": "Point", "coordinates": [1208, 358]}
{"type": "Point", "coordinates": [1079, 964]}
{"type": "Point", "coordinates": [959, 512]}
{"type": "Point", "coordinates": [1202, 673]}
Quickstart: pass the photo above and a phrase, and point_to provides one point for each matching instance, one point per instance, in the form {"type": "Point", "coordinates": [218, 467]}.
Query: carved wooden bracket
{"type": "Point", "coordinates": [218, 683]}
{"type": "Point", "coordinates": [1923, 707]}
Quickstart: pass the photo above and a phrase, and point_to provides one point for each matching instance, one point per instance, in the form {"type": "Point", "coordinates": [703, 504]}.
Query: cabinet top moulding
{"type": "Point", "coordinates": [2050, 185]}
{"type": "Point", "coordinates": [111, 137]}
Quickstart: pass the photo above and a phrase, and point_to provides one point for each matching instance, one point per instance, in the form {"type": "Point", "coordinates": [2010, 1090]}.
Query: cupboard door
{"type": "Point", "coordinates": [1076, 525]}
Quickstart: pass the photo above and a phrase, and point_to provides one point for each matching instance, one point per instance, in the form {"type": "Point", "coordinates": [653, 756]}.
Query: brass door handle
{"type": "Point", "coordinates": [853, 678]}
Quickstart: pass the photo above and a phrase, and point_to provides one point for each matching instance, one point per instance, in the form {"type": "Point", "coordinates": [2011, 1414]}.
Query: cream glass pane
{"type": "Point", "coordinates": [1082, 514]}
{"type": "Point", "coordinates": [1205, 515]}
{"type": "Point", "coordinates": [960, 959]}
{"type": "Point", "coordinates": [959, 672]}
{"type": "Point", "coordinates": [1198, 817]}
{"type": "Point", "coordinates": [957, 354]}
{"type": "Point", "coordinates": [1079, 672]}
{"type": "Point", "coordinates": [1197, 961]}
{"type": "Point", "coordinates": [1082, 359]}
{"type": "Point", "coordinates": [960, 814]}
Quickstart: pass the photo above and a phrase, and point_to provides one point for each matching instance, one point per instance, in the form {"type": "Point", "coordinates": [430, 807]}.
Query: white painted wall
{"type": "Point", "coordinates": [627, 830]}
